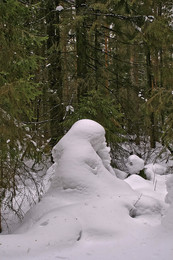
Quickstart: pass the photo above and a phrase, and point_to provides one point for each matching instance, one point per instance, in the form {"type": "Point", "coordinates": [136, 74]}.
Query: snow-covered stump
{"type": "Point", "coordinates": [82, 162]}
{"type": "Point", "coordinates": [134, 164]}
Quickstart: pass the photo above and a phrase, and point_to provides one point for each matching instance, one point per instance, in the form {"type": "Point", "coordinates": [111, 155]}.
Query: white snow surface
{"type": "Point", "coordinates": [59, 8]}
{"type": "Point", "coordinates": [168, 219]}
{"type": "Point", "coordinates": [169, 185]}
{"type": "Point", "coordinates": [134, 164]}
{"type": "Point", "coordinates": [89, 213]}
{"type": "Point", "coordinates": [152, 169]}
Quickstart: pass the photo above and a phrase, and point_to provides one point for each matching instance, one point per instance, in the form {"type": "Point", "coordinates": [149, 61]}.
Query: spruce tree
{"type": "Point", "coordinates": [18, 90]}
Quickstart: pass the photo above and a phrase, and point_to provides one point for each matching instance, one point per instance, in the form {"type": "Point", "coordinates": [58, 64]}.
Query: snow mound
{"type": "Point", "coordinates": [134, 164]}
{"type": "Point", "coordinates": [83, 184]}
{"type": "Point", "coordinates": [146, 205]}
{"type": "Point", "coordinates": [150, 205]}
{"type": "Point", "coordinates": [152, 169]}
{"type": "Point", "coordinates": [82, 162]}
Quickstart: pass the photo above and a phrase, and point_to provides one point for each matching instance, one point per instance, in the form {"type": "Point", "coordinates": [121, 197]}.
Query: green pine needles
{"type": "Point", "coordinates": [102, 108]}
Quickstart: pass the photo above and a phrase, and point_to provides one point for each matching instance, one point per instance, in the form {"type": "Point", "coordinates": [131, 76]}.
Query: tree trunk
{"type": "Point", "coordinates": [96, 58]}
{"type": "Point", "coordinates": [150, 87]}
{"type": "Point", "coordinates": [54, 72]}
{"type": "Point", "coordinates": [81, 47]}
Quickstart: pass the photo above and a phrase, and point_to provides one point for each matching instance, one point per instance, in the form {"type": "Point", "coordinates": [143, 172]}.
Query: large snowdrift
{"type": "Point", "coordinates": [82, 163]}
{"type": "Point", "coordinates": [87, 208]}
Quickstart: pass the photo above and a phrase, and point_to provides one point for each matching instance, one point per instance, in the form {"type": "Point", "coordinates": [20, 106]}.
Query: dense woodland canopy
{"type": "Point", "coordinates": [60, 61]}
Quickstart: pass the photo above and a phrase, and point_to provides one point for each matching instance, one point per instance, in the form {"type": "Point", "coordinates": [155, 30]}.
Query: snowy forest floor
{"type": "Point", "coordinates": [89, 213]}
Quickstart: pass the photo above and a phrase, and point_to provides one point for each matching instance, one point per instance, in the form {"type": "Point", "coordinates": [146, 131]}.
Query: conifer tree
{"type": "Point", "coordinates": [119, 56]}
{"type": "Point", "coordinates": [18, 90]}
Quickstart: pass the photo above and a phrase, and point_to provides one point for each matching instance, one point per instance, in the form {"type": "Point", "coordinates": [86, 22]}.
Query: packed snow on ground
{"type": "Point", "coordinates": [90, 213]}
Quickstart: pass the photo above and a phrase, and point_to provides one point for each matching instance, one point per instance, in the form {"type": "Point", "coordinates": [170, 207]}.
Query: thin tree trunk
{"type": "Point", "coordinates": [81, 52]}
{"type": "Point", "coordinates": [106, 61]}
{"type": "Point", "coordinates": [150, 86]}
{"type": "Point", "coordinates": [96, 58]}
{"type": "Point", "coordinates": [54, 72]}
